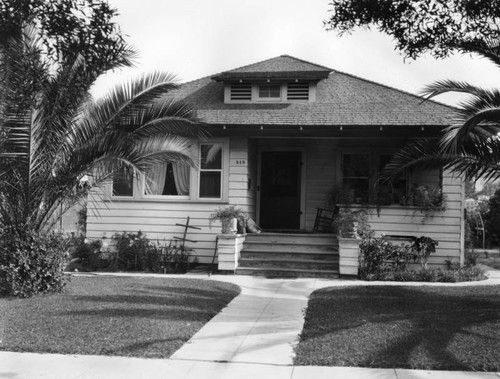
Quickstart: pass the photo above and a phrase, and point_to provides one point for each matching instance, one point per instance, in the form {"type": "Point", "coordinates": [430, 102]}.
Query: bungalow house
{"type": "Point", "coordinates": [284, 132]}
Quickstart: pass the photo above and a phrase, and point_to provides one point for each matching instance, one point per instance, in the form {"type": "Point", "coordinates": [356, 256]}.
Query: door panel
{"type": "Point", "coordinates": [280, 184]}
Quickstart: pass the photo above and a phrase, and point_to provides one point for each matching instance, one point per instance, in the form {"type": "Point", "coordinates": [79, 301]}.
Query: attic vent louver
{"type": "Point", "coordinates": [241, 91]}
{"type": "Point", "coordinates": [298, 91]}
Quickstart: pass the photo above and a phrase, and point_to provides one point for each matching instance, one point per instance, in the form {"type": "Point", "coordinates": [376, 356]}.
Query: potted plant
{"type": "Point", "coordinates": [230, 217]}
{"type": "Point", "coordinates": [429, 200]}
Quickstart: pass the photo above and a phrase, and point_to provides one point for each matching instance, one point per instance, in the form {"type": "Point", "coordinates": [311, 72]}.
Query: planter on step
{"type": "Point", "coordinates": [228, 251]}
{"type": "Point", "coordinates": [229, 225]}
{"type": "Point", "coordinates": [349, 256]}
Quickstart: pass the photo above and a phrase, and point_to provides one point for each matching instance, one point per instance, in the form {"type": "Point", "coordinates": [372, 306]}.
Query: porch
{"type": "Point", "coordinates": [289, 255]}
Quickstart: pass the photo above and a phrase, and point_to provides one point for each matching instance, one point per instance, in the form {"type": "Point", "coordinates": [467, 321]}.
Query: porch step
{"type": "Point", "coordinates": [289, 255]}
{"type": "Point", "coordinates": [283, 254]}
{"type": "Point", "coordinates": [287, 273]}
{"type": "Point", "coordinates": [277, 263]}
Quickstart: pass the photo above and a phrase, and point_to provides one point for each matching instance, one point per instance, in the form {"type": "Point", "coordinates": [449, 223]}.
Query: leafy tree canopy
{"type": "Point", "coordinates": [418, 26]}
{"type": "Point", "coordinates": [68, 28]}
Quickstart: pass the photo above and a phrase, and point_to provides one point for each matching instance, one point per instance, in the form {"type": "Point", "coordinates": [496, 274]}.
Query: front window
{"type": "Point", "coordinates": [394, 191]}
{"type": "Point", "coordinates": [168, 179]}
{"type": "Point", "coordinates": [123, 183]}
{"type": "Point", "coordinates": [361, 183]}
{"type": "Point", "coordinates": [356, 176]}
{"type": "Point", "coordinates": [211, 171]}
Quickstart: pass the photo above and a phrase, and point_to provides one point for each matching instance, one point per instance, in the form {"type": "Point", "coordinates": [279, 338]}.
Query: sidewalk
{"type": "Point", "coordinates": [253, 337]}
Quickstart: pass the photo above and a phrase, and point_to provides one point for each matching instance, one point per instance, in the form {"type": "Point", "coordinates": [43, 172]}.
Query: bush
{"type": "Point", "coordinates": [134, 252]}
{"type": "Point", "coordinates": [378, 253]}
{"type": "Point", "coordinates": [380, 259]}
{"type": "Point", "coordinates": [86, 255]}
{"type": "Point", "coordinates": [454, 275]}
{"type": "Point", "coordinates": [31, 262]}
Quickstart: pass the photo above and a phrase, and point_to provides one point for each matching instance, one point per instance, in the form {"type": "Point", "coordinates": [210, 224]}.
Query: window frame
{"type": "Point", "coordinates": [194, 180]}
{"type": "Point", "coordinates": [256, 99]}
{"type": "Point", "coordinates": [166, 197]}
{"type": "Point", "coordinates": [221, 170]}
{"type": "Point", "coordinates": [119, 197]}
{"type": "Point", "coordinates": [272, 99]}
{"type": "Point", "coordinates": [374, 169]}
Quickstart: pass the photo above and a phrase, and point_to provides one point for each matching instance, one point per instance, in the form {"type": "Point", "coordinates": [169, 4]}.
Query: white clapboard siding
{"type": "Point", "coordinates": [445, 227]}
{"type": "Point", "coordinates": [158, 218]}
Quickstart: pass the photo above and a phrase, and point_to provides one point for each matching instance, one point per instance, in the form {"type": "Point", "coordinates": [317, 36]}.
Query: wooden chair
{"type": "Point", "coordinates": [324, 219]}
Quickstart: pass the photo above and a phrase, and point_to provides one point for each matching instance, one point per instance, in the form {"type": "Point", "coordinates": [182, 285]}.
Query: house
{"type": "Point", "coordinates": [284, 132]}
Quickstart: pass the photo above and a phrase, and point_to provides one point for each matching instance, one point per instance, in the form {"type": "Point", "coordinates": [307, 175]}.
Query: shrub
{"type": "Point", "coordinates": [422, 248]}
{"type": "Point", "coordinates": [175, 258]}
{"type": "Point", "coordinates": [471, 257]}
{"type": "Point", "coordinates": [134, 252]}
{"type": "Point", "coordinates": [32, 262]}
{"type": "Point", "coordinates": [461, 274]}
{"type": "Point", "coordinates": [87, 254]}
{"type": "Point", "coordinates": [380, 254]}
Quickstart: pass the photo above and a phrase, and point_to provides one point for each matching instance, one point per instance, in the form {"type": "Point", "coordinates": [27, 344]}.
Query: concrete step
{"type": "Point", "coordinates": [289, 255]}
{"type": "Point", "coordinates": [291, 247]}
{"type": "Point", "coordinates": [277, 264]}
{"type": "Point", "coordinates": [287, 273]}
{"type": "Point", "coordinates": [305, 239]}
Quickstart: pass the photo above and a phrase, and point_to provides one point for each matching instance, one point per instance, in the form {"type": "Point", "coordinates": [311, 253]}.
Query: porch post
{"type": "Point", "coordinates": [349, 256]}
{"type": "Point", "coordinates": [228, 251]}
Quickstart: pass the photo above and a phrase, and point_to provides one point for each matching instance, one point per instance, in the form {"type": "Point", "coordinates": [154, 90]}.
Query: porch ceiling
{"type": "Point", "coordinates": [329, 131]}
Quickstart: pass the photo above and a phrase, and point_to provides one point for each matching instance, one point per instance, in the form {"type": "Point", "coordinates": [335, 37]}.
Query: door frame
{"type": "Point", "coordinates": [302, 150]}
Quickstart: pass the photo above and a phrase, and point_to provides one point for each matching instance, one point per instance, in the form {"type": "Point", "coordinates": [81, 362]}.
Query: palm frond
{"type": "Point", "coordinates": [126, 97]}
{"type": "Point", "coordinates": [445, 86]}
{"type": "Point", "coordinates": [482, 125]}
{"type": "Point", "coordinates": [488, 48]}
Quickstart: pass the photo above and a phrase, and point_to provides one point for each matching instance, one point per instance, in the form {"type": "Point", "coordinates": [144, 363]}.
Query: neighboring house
{"type": "Point", "coordinates": [284, 132]}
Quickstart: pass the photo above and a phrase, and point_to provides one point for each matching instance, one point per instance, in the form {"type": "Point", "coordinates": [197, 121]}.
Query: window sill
{"type": "Point", "coordinates": [169, 200]}
{"type": "Point", "coordinates": [375, 206]}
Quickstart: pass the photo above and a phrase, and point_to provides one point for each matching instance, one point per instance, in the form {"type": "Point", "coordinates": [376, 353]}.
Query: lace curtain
{"type": "Point", "coordinates": [159, 175]}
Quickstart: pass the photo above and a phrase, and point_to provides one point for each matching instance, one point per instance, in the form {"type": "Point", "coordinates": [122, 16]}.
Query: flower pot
{"type": "Point", "coordinates": [229, 226]}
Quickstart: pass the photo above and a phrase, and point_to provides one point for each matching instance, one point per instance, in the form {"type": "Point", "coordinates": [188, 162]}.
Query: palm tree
{"type": "Point", "coordinates": [53, 133]}
{"type": "Point", "coordinates": [471, 146]}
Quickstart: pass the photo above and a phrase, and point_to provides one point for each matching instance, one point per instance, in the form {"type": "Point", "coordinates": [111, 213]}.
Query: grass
{"type": "Point", "coordinates": [138, 317]}
{"type": "Point", "coordinates": [430, 328]}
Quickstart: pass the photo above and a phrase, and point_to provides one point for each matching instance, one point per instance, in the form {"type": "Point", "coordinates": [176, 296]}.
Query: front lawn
{"type": "Point", "coordinates": [431, 328]}
{"type": "Point", "coordinates": [140, 317]}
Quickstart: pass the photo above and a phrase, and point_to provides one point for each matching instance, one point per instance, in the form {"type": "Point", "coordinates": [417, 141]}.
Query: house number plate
{"type": "Point", "coordinates": [241, 162]}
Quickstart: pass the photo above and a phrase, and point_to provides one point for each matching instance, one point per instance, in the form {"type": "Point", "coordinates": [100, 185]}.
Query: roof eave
{"type": "Point", "coordinates": [282, 75]}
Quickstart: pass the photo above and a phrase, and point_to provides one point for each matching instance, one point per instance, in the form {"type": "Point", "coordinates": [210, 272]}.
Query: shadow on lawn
{"type": "Point", "coordinates": [429, 328]}
{"type": "Point", "coordinates": [161, 313]}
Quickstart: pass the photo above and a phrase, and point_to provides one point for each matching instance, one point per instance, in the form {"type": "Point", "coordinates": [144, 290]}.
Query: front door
{"type": "Point", "coordinates": [280, 183]}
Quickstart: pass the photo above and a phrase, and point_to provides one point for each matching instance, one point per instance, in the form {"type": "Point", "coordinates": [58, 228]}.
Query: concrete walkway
{"type": "Point", "coordinates": [253, 337]}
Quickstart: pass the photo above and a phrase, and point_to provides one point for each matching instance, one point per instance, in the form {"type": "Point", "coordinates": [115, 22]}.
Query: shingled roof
{"type": "Point", "coordinates": [341, 100]}
{"type": "Point", "coordinates": [282, 67]}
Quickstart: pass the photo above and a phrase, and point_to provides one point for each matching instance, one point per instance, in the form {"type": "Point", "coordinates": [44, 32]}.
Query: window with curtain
{"type": "Point", "coordinates": [123, 183]}
{"type": "Point", "coordinates": [168, 179]}
{"type": "Point", "coordinates": [210, 171]}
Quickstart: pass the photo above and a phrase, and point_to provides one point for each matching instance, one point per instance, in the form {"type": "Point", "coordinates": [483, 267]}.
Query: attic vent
{"type": "Point", "coordinates": [241, 91]}
{"type": "Point", "coordinates": [298, 91]}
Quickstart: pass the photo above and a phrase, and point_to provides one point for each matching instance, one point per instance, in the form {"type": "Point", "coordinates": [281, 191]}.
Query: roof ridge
{"type": "Point", "coordinates": [270, 59]}
{"type": "Point", "coordinates": [247, 65]}
{"type": "Point", "coordinates": [308, 62]}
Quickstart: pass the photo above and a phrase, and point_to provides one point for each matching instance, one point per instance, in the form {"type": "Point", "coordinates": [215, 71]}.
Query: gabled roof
{"type": "Point", "coordinates": [341, 100]}
{"type": "Point", "coordinates": [282, 67]}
